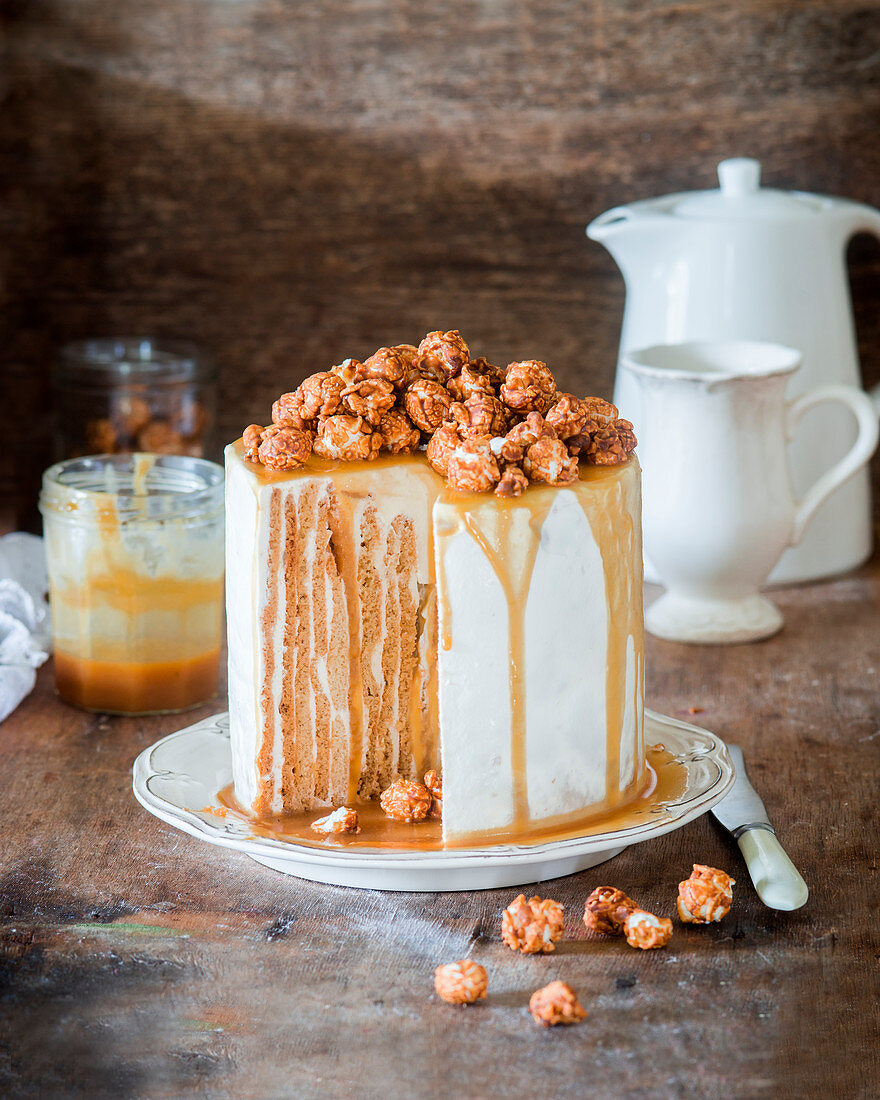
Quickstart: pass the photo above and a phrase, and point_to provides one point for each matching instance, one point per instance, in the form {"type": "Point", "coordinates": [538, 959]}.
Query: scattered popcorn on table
{"type": "Point", "coordinates": [533, 926]}
{"type": "Point", "coordinates": [706, 896]}
{"type": "Point", "coordinates": [556, 1003]}
{"type": "Point", "coordinates": [462, 982]}
{"type": "Point", "coordinates": [606, 909]}
{"type": "Point", "coordinates": [644, 930]}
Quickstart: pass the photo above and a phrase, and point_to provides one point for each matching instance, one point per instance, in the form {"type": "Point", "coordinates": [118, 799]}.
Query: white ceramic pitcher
{"type": "Point", "coordinates": [718, 503]}
{"type": "Point", "coordinates": [746, 262]}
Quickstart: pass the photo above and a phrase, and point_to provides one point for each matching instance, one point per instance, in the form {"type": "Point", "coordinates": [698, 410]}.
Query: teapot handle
{"type": "Point", "coordinates": [865, 413]}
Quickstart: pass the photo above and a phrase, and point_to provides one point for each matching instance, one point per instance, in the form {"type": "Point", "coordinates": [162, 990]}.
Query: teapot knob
{"type": "Point", "coordinates": [739, 176]}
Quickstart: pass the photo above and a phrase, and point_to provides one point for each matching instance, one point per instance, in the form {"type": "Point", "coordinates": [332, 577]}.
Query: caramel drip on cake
{"type": "Point", "coordinates": [514, 573]}
{"type": "Point", "coordinates": [613, 530]}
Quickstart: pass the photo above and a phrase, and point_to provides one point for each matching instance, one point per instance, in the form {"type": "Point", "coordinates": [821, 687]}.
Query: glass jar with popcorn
{"type": "Point", "coordinates": [134, 547]}
{"type": "Point", "coordinates": [118, 395]}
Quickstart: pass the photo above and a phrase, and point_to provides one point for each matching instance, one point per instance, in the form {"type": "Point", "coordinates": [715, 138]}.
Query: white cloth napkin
{"type": "Point", "coordinates": [25, 624]}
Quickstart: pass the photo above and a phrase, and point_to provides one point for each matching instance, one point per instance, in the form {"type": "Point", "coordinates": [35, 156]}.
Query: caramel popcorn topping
{"type": "Point", "coordinates": [706, 896]}
{"type": "Point", "coordinates": [533, 926]}
{"type": "Point", "coordinates": [427, 403]}
{"type": "Point", "coordinates": [399, 434]}
{"type": "Point", "coordinates": [284, 448]}
{"type": "Point", "coordinates": [462, 982]}
{"type": "Point", "coordinates": [556, 1003]}
{"type": "Point", "coordinates": [347, 438]}
{"type": "Point", "coordinates": [483, 428]}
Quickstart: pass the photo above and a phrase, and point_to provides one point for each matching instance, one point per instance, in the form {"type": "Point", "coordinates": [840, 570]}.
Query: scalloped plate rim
{"type": "Point", "coordinates": [693, 803]}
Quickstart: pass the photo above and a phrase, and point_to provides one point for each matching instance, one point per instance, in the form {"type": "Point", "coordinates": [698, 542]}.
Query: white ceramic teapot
{"type": "Point", "coordinates": [751, 263]}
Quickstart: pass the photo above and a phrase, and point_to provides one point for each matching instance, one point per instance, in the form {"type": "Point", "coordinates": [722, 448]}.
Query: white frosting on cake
{"type": "Point", "coordinates": [440, 590]}
{"type": "Point", "coordinates": [556, 597]}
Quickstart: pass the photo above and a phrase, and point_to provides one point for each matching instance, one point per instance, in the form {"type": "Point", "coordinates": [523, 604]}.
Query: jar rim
{"type": "Point", "coordinates": [171, 487]}
{"type": "Point", "coordinates": [132, 359]}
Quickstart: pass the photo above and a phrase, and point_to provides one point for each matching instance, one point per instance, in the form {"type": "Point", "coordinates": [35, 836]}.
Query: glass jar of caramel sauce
{"type": "Point", "coordinates": [134, 546]}
{"type": "Point", "coordinates": [119, 395]}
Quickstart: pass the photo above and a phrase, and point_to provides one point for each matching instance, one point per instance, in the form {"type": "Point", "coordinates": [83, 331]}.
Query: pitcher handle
{"type": "Point", "coordinates": [865, 412]}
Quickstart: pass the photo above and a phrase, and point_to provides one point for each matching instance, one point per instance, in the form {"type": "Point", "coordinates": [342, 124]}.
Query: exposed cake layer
{"type": "Point", "coordinates": [331, 622]}
{"type": "Point", "coordinates": [541, 658]}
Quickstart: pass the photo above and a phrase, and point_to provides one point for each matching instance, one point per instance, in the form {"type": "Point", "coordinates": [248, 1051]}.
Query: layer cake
{"type": "Point", "coordinates": [383, 622]}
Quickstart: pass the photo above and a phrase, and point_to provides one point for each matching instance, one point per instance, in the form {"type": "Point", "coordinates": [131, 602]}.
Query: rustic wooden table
{"type": "Point", "coordinates": [138, 962]}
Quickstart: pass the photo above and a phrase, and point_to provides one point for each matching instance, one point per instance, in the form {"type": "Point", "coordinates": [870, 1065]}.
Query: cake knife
{"type": "Point", "coordinates": [742, 813]}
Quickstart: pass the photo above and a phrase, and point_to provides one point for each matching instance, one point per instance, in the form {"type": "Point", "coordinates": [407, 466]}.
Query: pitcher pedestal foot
{"type": "Point", "coordinates": [713, 621]}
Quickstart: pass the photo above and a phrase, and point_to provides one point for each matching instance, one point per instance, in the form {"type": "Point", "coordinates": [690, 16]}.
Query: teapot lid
{"type": "Point", "coordinates": [740, 195]}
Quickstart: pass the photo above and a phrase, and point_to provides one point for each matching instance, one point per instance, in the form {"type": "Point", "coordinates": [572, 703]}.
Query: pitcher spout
{"type": "Point", "coordinates": [856, 217]}
{"type": "Point", "coordinates": [629, 232]}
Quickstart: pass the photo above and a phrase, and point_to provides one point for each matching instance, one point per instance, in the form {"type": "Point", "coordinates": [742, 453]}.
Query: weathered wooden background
{"type": "Point", "coordinates": [288, 183]}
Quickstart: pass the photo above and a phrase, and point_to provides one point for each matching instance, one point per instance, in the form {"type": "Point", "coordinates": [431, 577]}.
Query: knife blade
{"type": "Point", "coordinates": [741, 811]}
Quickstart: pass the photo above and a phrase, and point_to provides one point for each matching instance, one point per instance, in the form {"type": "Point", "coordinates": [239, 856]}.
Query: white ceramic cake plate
{"type": "Point", "coordinates": [179, 777]}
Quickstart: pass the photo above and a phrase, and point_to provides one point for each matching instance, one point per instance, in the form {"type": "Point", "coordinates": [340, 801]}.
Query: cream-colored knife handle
{"type": "Point", "coordinates": [776, 878]}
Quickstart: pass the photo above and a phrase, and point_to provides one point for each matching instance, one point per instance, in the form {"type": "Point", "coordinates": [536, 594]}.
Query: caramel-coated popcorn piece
{"type": "Point", "coordinates": [513, 483]}
{"type": "Point", "coordinates": [130, 414]}
{"type": "Point", "coordinates": [533, 926]}
{"type": "Point", "coordinates": [548, 460]}
{"type": "Point", "coordinates": [462, 982]}
{"type": "Point", "coordinates": [427, 404]}
{"type": "Point", "coordinates": [347, 438]}
{"type": "Point", "coordinates": [408, 353]}
{"type": "Point", "coordinates": [606, 909]}
{"type": "Point", "coordinates": [252, 437]}
{"type": "Point", "coordinates": [626, 435]}
{"type": "Point", "coordinates": [605, 448]}
{"type": "Point", "coordinates": [100, 437]}
{"type": "Point", "coordinates": [370, 398]}
{"type": "Point", "coordinates": [444, 351]}
{"type": "Point", "coordinates": [441, 446]}
{"type": "Point", "coordinates": [389, 364]}
{"type": "Point", "coordinates": [481, 365]}
{"type": "Point", "coordinates": [158, 437]}
{"type": "Point", "coordinates": [287, 412]}
{"type": "Point", "coordinates": [343, 820]}
{"type": "Point", "coordinates": [600, 410]}
{"type": "Point", "coordinates": [706, 896]}
{"type": "Point", "coordinates": [528, 386]}
{"type": "Point", "coordinates": [481, 414]}
{"type": "Point", "coordinates": [406, 801]}
{"type": "Point", "coordinates": [568, 415]}
{"type": "Point", "coordinates": [472, 467]}
{"type": "Point", "coordinates": [349, 370]}
{"type": "Point", "coordinates": [556, 1003]}
{"type": "Point", "coordinates": [320, 395]}
{"type": "Point", "coordinates": [645, 930]}
{"type": "Point", "coordinates": [434, 783]}
{"type": "Point", "coordinates": [530, 430]}
{"type": "Point", "coordinates": [399, 435]}
{"type": "Point", "coordinates": [469, 383]}
{"type": "Point", "coordinates": [424, 373]}
{"type": "Point", "coordinates": [284, 448]}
